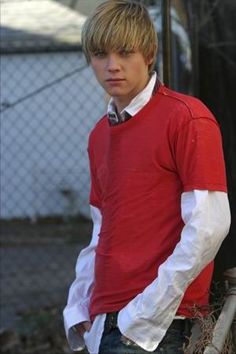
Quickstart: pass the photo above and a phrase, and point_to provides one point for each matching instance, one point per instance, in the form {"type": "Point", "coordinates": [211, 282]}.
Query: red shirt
{"type": "Point", "coordinates": [139, 169]}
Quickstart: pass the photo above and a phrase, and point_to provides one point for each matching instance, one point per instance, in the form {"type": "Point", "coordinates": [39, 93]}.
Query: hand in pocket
{"type": "Point", "coordinates": [83, 327]}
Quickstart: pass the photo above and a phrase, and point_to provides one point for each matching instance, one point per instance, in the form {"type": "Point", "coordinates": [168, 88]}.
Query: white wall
{"type": "Point", "coordinates": [44, 133]}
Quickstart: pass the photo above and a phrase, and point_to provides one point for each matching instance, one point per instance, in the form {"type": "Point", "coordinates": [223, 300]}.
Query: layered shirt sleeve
{"type": "Point", "coordinates": [207, 218]}
{"type": "Point", "coordinates": [199, 160]}
{"type": "Point", "coordinates": [197, 247]}
{"type": "Point", "coordinates": [76, 310]}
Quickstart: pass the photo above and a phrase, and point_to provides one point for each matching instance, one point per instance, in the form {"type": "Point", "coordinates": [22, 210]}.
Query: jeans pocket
{"type": "Point", "coordinates": [127, 342]}
{"type": "Point", "coordinates": [172, 343]}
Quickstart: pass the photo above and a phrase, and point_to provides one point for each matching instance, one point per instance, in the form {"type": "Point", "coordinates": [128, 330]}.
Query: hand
{"type": "Point", "coordinates": [83, 327]}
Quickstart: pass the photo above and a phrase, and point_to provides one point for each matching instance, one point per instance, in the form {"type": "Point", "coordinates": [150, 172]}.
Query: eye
{"type": "Point", "coordinates": [99, 54]}
{"type": "Point", "coordinates": [126, 52]}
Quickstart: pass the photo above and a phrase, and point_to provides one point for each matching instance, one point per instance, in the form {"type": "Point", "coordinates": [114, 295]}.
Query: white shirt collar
{"type": "Point", "coordinates": [136, 104]}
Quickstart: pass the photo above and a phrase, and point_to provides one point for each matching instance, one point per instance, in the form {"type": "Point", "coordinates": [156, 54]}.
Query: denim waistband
{"type": "Point", "coordinates": [183, 325]}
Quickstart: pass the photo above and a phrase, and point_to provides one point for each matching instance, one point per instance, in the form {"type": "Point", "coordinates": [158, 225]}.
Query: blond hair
{"type": "Point", "coordinates": [120, 25]}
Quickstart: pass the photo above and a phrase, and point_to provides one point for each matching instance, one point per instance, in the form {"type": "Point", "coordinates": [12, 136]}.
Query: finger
{"type": "Point", "coordinates": [87, 326]}
{"type": "Point", "coordinates": [83, 327]}
{"type": "Point", "coordinates": [79, 328]}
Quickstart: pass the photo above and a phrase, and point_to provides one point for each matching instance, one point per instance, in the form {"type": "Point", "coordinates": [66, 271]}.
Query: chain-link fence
{"type": "Point", "coordinates": [49, 102]}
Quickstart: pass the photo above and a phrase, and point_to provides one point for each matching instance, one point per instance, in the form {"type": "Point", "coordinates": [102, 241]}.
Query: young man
{"type": "Point", "coordinates": [158, 199]}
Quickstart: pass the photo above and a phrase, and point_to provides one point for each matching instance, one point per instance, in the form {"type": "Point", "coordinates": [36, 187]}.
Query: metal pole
{"type": "Point", "coordinates": [166, 41]}
{"type": "Point", "coordinates": [226, 317]}
{"type": "Point", "coordinates": [193, 18]}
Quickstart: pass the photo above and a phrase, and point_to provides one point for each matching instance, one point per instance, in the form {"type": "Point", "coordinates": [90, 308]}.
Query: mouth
{"type": "Point", "coordinates": [115, 80]}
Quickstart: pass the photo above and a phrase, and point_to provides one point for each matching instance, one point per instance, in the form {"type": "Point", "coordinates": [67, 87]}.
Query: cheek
{"type": "Point", "coordinates": [138, 68]}
{"type": "Point", "coordinates": [97, 68]}
{"type": "Point", "coordinates": [97, 72]}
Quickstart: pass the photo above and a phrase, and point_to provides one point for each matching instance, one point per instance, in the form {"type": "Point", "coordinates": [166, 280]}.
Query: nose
{"type": "Point", "coordinates": [112, 62]}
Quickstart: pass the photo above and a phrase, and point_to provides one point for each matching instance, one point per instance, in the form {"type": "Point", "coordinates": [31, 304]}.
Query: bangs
{"type": "Point", "coordinates": [114, 37]}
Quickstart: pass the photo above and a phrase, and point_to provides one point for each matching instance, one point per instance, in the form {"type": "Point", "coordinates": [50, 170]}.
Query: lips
{"type": "Point", "coordinates": [115, 80]}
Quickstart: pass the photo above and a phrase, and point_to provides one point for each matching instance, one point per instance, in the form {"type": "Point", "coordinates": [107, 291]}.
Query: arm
{"type": "Point", "coordinates": [76, 310]}
{"type": "Point", "coordinates": [207, 218]}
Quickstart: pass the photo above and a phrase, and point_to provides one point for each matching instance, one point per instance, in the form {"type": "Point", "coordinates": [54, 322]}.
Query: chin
{"type": "Point", "coordinates": [114, 93]}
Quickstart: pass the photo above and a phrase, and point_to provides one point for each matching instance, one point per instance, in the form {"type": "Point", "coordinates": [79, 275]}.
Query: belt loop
{"type": "Point", "coordinates": [113, 320]}
{"type": "Point", "coordinates": [110, 322]}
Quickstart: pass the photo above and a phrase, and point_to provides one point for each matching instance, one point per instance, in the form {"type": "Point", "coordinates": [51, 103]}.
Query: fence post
{"type": "Point", "coordinates": [166, 41]}
{"type": "Point", "coordinates": [227, 316]}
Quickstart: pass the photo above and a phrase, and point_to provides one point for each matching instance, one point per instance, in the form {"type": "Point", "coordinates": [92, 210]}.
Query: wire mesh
{"type": "Point", "coordinates": [50, 101]}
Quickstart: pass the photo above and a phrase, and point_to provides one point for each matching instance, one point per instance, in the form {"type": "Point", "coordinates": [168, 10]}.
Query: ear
{"type": "Point", "coordinates": [149, 59]}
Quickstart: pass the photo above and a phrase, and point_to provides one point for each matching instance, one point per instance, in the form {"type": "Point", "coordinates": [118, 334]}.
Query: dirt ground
{"type": "Point", "coordinates": [37, 267]}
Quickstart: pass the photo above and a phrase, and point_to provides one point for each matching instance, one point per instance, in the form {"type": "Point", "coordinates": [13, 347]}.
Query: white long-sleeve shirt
{"type": "Point", "coordinates": [207, 218]}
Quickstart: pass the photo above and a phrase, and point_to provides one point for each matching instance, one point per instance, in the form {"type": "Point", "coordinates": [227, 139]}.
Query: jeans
{"type": "Point", "coordinates": [172, 343]}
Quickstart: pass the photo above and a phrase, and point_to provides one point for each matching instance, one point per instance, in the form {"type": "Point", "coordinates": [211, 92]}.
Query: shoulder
{"type": "Point", "coordinates": [190, 107]}
{"type": "Point", "coordinates": [98, 130]}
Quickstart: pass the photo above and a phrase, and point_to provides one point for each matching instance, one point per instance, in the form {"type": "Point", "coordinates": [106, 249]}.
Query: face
{"type": "Point", "coordinates": [122, 74]}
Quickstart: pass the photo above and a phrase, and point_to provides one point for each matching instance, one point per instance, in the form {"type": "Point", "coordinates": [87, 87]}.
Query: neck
{"type": "Point", "coordinates": [121, 104]}
{"type": "Point", "coordinates": [123, 101]}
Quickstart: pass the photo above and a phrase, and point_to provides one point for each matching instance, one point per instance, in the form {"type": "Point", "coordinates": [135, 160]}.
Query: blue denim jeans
{"type": "Point", "coordinates": [172, 343]}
